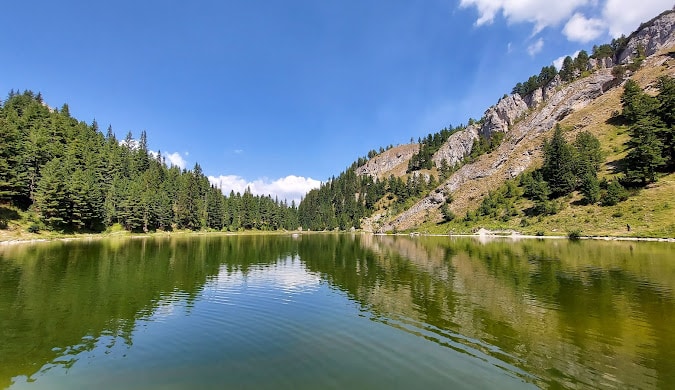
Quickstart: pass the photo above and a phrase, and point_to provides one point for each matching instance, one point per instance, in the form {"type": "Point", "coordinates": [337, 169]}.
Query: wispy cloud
{"type": "Point", "coordinates": [612, 17]}
{"type": "Point", "coordinates": [171, 158]}
{"type": "Point", "coordinates": [291, 188]}
{"type": "Point", "coordinates": [540, 13]}
{"type": "Point", "coordinates": [536, 47]}
{"type": "Point", "coordinates": [581, 29]}
{"type": "Point", "coordinates": [624, 16]}
{"type": "Point", "coordinates": [176, 159]}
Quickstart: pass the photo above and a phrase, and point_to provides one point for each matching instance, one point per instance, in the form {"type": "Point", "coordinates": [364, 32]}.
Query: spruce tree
{"type": "Point", "coordinates": [644, 155]}
{"type": "Point", "coordinates": [558, 169]}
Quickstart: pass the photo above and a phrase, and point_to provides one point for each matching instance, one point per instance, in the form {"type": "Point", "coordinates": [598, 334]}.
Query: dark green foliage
{"type": "Point", "coordinates": [614, 193]}
{"type": "Point", "coordinates": [547, 74]}
{"type": "Point", "coordinates": [447, 214]}
{"type": "Point", "coordinates": [651, 147]}
{"type": "Point", "coordinates": [581, 62]}
{"type": "Point", "coordinates": [78, 179]}
{"type": "Point", "coordinates": [567, 70]}
{"type": "Point", "coordinates": [536, 189]}
{"type": "Point", "coordinates": [429, 146]}
{"type": "Point", "coordinates": [559, 164]}
{"type": "Point", "coordinates": [501, 202]}
{"type": "Point", "coordinates": [666, 112]}
{"type": "Point", "coordinates": [590, 188]}
{"type": "Point", "coordinates": [574, 235]}
{"type": "Point", "coordinates": [483, 145]}
{"type": "Point", "coordinates": [619, 44]}
{"type": "Point", "coordinates": [588, 154]}
{"type": "Point", "coordinates": [341, 202]}
{"type": "Point", "coordinates": [602, 51]}
{"type": "Point", "coordinates": [644, 157]}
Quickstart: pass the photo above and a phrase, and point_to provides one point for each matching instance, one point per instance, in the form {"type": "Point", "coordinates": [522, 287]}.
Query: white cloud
{"type": "Point", "coordinates": [171, 158]}
{"type": "Point", "coordinates": [535, 47]}
{"type": "Point", "coordinates": [290, 187]}
{"type": "Point", "coordinates": [541, 13]}
{"type": "Point", "coordinates": [583, 30]}
{"type": "Point", "coordinates": [176, 159]}
{"type": "Point", "coordinates": [615, 17]}
{"type": "Point", "coordinates": [624, 16]}
{"type": "Point", "coordinates": [559, 61]}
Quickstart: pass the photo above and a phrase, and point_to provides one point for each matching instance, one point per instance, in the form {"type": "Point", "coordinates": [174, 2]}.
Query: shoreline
{"type": "Point", "coordinates": [482, 235]}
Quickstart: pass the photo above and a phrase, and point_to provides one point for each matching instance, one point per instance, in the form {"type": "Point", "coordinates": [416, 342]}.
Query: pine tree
{"type": "Point", "coordinates": [558, 169]}
{"type": "Point", "coordinates": [590, 188]}
{"type": "Point", "coordinates": [567, 69]}
{"type": "Point", "coordinates": [51, 197]}
{"type": "Point", "coordinates": [666, 111]}
{"type": "Point", "coordinates": [644, 155]}
{"type": "Point", "coordinates": [10, 155]}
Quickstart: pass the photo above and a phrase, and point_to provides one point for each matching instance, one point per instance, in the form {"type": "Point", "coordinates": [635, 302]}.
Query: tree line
{"type": "Point", "coordinates": [572, 68]}
{"type": "Point", "coordinates": [69, 176]}
{"type": "Point", "coordinates": [651, 125]}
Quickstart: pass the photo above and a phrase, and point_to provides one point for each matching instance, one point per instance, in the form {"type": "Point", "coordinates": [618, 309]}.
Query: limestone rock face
{"type": "Point", "coordinates": [388, 161]}
{"type": "Point", "coordinates": [457, 146]}
{"type": "Point", "coordinates": [516, 153]}
{"type": "Point", "coordinates": [652, 36]}
{"type": "Point", "coordinates": [503, 115]}
{"type": "Point", "coordinates": [601, 63]}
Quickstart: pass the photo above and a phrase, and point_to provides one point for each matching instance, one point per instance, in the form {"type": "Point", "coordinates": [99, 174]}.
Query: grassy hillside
{"type": "Point", "coordinates": [649, 211]}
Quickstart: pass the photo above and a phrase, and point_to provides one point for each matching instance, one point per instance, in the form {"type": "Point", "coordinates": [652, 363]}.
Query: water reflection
{"type": "Point", "coordinates": [553, 313]}
{"type": "Point", "coordinates": [60, 299]}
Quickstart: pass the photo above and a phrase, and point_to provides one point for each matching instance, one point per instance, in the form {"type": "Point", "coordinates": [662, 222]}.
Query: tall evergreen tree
{"type": "Point", "coordinates": [644, 155]}
{"type": "Point", "coordinates": [558, 169]}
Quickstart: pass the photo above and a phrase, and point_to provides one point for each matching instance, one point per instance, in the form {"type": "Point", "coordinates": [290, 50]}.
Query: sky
{"type": "Point", "coordinates": [281, 95]}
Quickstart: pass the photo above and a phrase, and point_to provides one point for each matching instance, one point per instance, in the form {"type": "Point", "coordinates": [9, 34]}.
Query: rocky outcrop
{"type": "Point", "coordinates": [503, 115]}
{"type": "Point", "coordinates": [388, 161]}
{"type": "Point", "coordinates": [516, 153]}
{"type": "Point", "coordinates": [651, 36]}
{"type": "Point", "coordinates": [539, 111]}
{"type": "Point", "coordinates": [457, 147]}
{"type": "Point", "coordinates": [600, 63]}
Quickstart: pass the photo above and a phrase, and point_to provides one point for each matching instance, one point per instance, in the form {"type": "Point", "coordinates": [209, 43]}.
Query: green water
{"type": "Point", "coordinates": [336, 311]}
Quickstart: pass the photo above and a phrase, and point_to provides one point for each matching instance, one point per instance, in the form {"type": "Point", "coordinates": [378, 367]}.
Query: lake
{"type": "Point", "coordinates": [339, 311]}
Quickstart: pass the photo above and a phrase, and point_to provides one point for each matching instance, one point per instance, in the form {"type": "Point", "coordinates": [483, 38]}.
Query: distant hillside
{"type": "Point", "coordinates": [59, 174]}
{"type": "Point", "coordinates": [476, 161]}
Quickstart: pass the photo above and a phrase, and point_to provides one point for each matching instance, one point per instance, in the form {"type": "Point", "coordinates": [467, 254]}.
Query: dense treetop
{"type": "Point", "coordinates": [72, 177]}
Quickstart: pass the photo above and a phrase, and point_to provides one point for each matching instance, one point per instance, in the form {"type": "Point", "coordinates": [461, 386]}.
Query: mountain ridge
{"type": "Point", "coordinates": [526, 121]}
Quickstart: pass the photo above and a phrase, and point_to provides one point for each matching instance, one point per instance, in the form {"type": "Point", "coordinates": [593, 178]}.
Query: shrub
{"type": "Point", "coordinates": [33, 228]}
{"type": "Point", "coordinates": [574, 234]}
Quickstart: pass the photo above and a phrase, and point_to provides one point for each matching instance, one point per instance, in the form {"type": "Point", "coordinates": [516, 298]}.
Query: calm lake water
{"type": "Point", "coordinates": [336, 311]}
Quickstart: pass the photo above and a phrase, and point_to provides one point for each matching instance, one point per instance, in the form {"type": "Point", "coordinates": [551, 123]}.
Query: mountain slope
{"type": "Point", "coordinates": [588, 103]}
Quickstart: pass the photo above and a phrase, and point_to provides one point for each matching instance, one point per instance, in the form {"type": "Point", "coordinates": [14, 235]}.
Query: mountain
{"type": "Point", "coordinates": [475, 161]}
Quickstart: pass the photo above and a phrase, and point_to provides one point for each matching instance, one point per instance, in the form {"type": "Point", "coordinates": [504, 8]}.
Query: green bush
{"type": "Point", "coordinates": [574, 234]}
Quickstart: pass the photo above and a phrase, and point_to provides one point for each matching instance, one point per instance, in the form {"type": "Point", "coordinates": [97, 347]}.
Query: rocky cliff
{"type": "Point", "coordinates": [526, 121]}
{"type": "Point", "coordinates": [393, 161]}
{"type": "Point", "coordinates": [652, 36]}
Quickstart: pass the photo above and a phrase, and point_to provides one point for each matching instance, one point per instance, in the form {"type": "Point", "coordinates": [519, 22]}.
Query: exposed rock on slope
{"type": "Point", "coordinates": [652, 36]}
{"type": "Point", "coordinates": [526, 122]}
{"type": "Point", "coordinates": [517, 152]}
{"type": "Point", "coordinates": [389, 162]}
{"type": "Point", "coordinates": [456, 147]}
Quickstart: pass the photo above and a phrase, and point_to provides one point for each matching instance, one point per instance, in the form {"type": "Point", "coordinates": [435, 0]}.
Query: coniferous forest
{"type": "Point", "coordinates": [70, 176]}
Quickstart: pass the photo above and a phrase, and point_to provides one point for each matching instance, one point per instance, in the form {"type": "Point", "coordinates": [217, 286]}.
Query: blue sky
{"type": "Point", "coordinates": [279, 95]}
